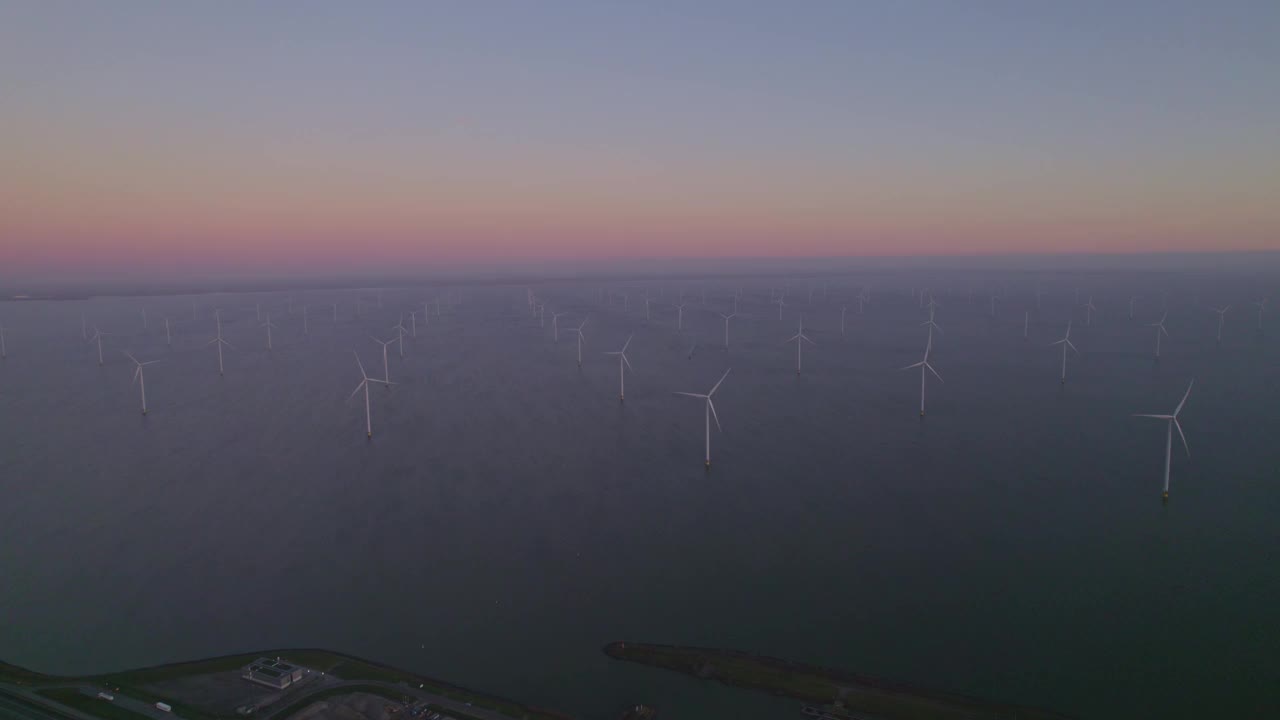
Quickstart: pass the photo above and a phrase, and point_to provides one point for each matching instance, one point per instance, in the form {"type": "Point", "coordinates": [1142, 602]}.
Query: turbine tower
{"type": "Point", "coordinates": [581, 337]}
{"type": "Point", "coordinates": [1172, 421]}
{"type": "Point", "coordinates": [800, 338]}
{"type": "Point", "coordinates": [709, 412]}
{"type": "Point", "coordinates": [924, 365]}
{"type": "Point", "coordinates": [217, 315]}
{"type": "Point", "coordinates": [1065, 342]}
{"type": "Point", "coordinates": [141, 379]}
{"type": "Point", "coordinates": [386, 371]}
{"type": "Point", "coordinates": [1159, 326]}
{"type": "Point", "coordinates": [622, 375]}
{"type": "Point", "coordinates": [1222, 315]}
{"type": "Point", "coordinates": [268, 325]}
{"type": "Point", "coordinates": [364, 385]}
{"type": "Point", "coordinates": [727, 318]}
{"type": "Point", "coordinates": [400, 331]}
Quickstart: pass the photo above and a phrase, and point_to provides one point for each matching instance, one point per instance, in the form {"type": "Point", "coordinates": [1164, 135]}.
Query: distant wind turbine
{"type": "Point", "coordinates": [581, 338]}
{"type": "Point", "coordinates": [800, 338]}
{"type": "Point", "coordinates": [1088, 309]}
{"type": "Point", "coordinates": [400, 331]}
{"type": "Point", "coordinates": [932, 326]}
{"type": "Point", "coordinates": [555, 323]}
{"type": "Point", "coordinates": [1222, 315]}
{"type": "Point", "coordinates": [1172, 421]}
{"type": "Point", "coordinates": [4, 351]}
{"type": "Point", "coordinates": [306, 329]}
{"type": "Point", "coordinates": [709, 411]}
{"type": "Point", "coordinates": [1159, 326]}
{"type": "Point", "coordinates": [364, 385]}
{"type": "Point", "coordinates": [139, 378]}
{"type": "Point", "coordinates": [1132, 298]}
{"type": "Point", "coordinates": [680, 314]}
{"type": "Point", "coordinates": [168, 337]}
{"type": "Point", "coordinates": [217, 315]}
{"type": "Point", "coordinates": [1262, 307]}
{"type": "Point", "coordinates": [622, 375]}
{"type": "Point", "coordinates": [1065, 342]}
{"type": "Point", "coordinates": [386, 369]}
{"type": "Point", "coordinates": [1026, 322]}
{"type": "Point", "coordinates": [924, 365]}
{"type": "Point", "coordinates": [727, 318]}
{"type": "Point", "coordinates": [97, 338]}
{"type": "Point", "coordinates": [843, 309]}
{"type": "Point", "coordinates": [268, 325]}
{"type": "Point", "coordinates": [781, 303]}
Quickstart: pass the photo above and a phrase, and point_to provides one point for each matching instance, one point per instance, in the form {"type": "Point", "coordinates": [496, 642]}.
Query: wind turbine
{"type": "Point", "coordinates": [413, 322]}
{"type": "Point", "coordinates": [680, 314]}
{"type": "Point", "coordinates": [1131, 299]}
{"type": "Point", "coordinates": [932, 326]}
{"type": "Point", "coordinates": [217, 314]}
{"type": "Point", "coordinates": [97, 337]}
{"type": "Point", "coordinates": [386, 371]}
{"type": "Point", "coordinates": [1172, 421]}
{"type": "Point", "coordinates": [306, 330]}
{"type": "Point", "coordinates": [1262, 306]}
{"type": "Point", "coordinates": [727, 318]}
{"type": "Point", "coordinates": [268, 325]}
{"type": "Point", "coordinates": [364, 385]}
{"type": "Point", "coordinates": [1222, 315]}
{"type": "Point", "coordinates": [139, 378]}
{"type": "Point", "coordinates": [555, 323]}
{"type": "Point", "coordinates": [1159, 326]}
{"type": "Point", "coordinates": [1088, 310]}
{"type": "Point", "coordinates": [335, 311]}
{"type": "Point", "coordinates": [709, 412]}
{"type": "Point", "coordinates": [800, 339]}
{"type": "Point", "coordinates": [781, 303]}
{"type": "Point", "coordinates": [993, 304]}
{"type": "Point", "coordinates": [4, 351]}
{"type": "Point", "coordinates": [144, 318]}
{"type": "Point", "coordinates": [924, 365]}
{"type": "Point", "coordinates": [400, 330]}
{"type": "Point", "coordinates": [622, 361]}
{"type": "Point", "coordinates": [168, 337]}
{"type": "Point", "coordinates": [84, 329]}
{"type": "Point", "coordinates": [1026, 322]}
{"type": "Point", "coordinates": [1065, 342]}
{"type": "Point", "coordinates": [843, 309]}
{"type": "Point", "coordinates": [581, 338]}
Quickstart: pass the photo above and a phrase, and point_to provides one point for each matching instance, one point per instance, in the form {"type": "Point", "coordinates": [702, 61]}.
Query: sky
{"type": "Point", "coordinates": [317, 137]}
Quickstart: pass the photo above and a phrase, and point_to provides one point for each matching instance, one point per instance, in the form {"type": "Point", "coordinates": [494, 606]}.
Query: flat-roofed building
{"type": "Point", "coordinates": [272, 673]}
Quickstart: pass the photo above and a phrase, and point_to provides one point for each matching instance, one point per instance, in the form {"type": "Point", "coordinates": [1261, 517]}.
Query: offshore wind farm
{"type": "Point", "coordinates": [558, 360]}
{"type": "Point", "coordinates": [587, 509]}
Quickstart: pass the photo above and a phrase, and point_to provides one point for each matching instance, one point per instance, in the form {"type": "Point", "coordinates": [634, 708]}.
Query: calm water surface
{"type": "Point", "coordinates": [510, 517]}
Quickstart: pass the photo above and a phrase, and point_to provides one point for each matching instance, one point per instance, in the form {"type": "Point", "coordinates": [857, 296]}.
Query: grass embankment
{"type": "Point", "coordinates": [94, 706]}
{"type": "Point", "coordinates": [451, 713]}
{"type": "Point", "coordinates": [859, 693]}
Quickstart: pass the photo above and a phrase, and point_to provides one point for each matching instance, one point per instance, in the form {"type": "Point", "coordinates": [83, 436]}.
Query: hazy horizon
{"type": "Point", "coordinates": [322, 138]}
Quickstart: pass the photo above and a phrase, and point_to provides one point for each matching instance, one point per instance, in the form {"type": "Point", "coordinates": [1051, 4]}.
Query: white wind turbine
{"type": "Point", "coordinates": [4, 351]}
{"type": "Point", "coordinates": [1088, 311]}
{"type": "Point", "coordinates": [843, 309]}
{"type": "Point", "coordinates": [1026, 322]}
{"type": "Point", "coordinates": [139, 378]}
{"type": "Point", "coordinates": [924, 365]}
{"type": "Point", "coordinates": [97, 338]}
{"type": "Point", "coordinates": [1222, 315]}
{"type": "Point", "coordinates": [1159, 326]}
{"type": "Point", "coordinates": [386, 369]}
{"type": "Point", "coordinates": [727, 318]}
{"type": "Point", "coordinates": [84, 328]}
{"type": "Point", "coordinates": [168, 337]}
{"type": "Point", "coordinates": [555, 323]}
{"type": "Point", "coordinates": [800, 339]}
{"type": "Point", "coordinates": [622, 361]}
{"type": "Point", "coordinates": [364, 385]}
{"type": "Point", "coordinates": [781, 304]}
{"type": "Point", "coordinates": [1262, 306]}
{"type": "Point", "coordinates": [335, 311]}
{"type": "Point", "coordinates": [709, 412]}
{"type": "Point", "coordinates": [268, 325]}
{"type": "Point", "coordinates": [1172, 420]}
{"type": "Point", "coordinates": [1065, 342]}
{"type": "Point", "coordinates": [1132, 298]}
{"type": "Point", "coordinates": [680, 315]}
{"type": "Point", "coordinates": [306, 330]}
{"type": "Point", "coordinates": [400, 331]}
{"type": "Point", "coordinates": [581, 338]}
{"type": "Point", "coordinates": [932, 326]}
{"type": "Point", "coordinates": [217, 315]}
{"type": "Point", "coordinates": [413, 323]}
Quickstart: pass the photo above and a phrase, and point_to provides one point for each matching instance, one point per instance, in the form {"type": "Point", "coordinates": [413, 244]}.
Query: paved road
{"type": "Point", "coordinates": [418, 696]}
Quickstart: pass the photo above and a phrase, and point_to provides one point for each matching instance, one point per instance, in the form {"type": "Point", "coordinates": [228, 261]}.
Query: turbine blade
{"type": "Point", "coordinates": [913, 366]}
{"type": "Point", "coordinates": [935, 372]}
{"type": "Point", "coordinates": [717, 385]}
{"type": "Point", "coordinates": [358, 388]}
{"type": "Point", "coordinates": [713, 413]}
{"type": "Point", "coordinates": [363, 374]}
{"type": "Point", "coordinates": [806, 339]}
{"type": "Point", "coordinates": [625, 360]}
{"type": "Point", "coordinates": [1181, 435]}
{"type": "Point", "coordinates": [696, 395]}
{"type": "Point", "coordinates": [1184, 398]}
{"type": "Point", "coordinates": [1073, 347]}
{"type": "Point", "coordinates": [1157, 417]}
{"type": "Point", "coordinates": [627, 344]}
